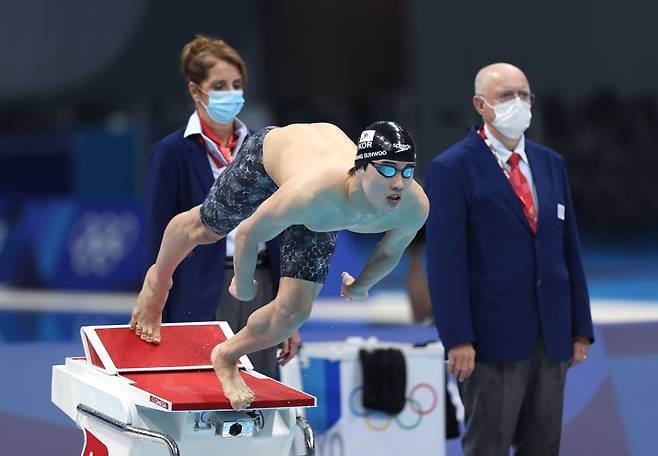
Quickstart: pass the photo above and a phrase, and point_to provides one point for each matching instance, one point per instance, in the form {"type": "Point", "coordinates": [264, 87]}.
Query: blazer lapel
{"type": "Point", "coordinates": [485, 160]}
{"type": "Point", "coordinates": [540, 177]}
{"type": "Point", "coordinates": [197, 155]}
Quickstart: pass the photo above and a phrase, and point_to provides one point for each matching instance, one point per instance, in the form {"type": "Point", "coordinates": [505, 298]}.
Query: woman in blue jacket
{"type": "Point", "coordinates": [182, 168]}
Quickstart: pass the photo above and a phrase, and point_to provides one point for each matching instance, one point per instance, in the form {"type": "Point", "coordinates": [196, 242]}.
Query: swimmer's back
{"type": "Point", "coordinates": [301, 148]}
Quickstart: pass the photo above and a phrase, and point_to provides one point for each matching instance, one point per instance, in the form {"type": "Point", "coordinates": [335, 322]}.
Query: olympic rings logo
{"type": "Point", "coordinates": [100, 241]}
{"type": "Point", "coordinates": [412, 404]}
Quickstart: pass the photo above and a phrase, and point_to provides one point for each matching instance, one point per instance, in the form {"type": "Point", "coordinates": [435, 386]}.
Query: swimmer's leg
{"type": "Point", "coordinates": [183, 233]}
{"type": "Point", "coordinates": [266, 327]}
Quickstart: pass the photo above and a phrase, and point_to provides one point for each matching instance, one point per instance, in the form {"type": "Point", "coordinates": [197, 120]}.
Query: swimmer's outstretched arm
{"type": "Point", "coordinates": [381, 261]}
{"type": "Point", "coordinates": [183, 233]}
{"type": "Point", "coordinates": [388, 252]}
{"type": "Point", "coordinates": [284, 208]}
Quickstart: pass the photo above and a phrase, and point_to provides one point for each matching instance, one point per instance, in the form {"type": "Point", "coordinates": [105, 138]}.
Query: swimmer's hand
{"type": "Point", "coordinates": [146, 316]}
{"type": "Point", "coordinates": [288, 349]}
{"type": "Point", "coordinates": [243, 293]}
{"type": "Point", "coordinates": [350, 288]}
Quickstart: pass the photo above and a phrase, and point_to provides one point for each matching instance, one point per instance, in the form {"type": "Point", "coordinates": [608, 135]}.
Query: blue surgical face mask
{"type": "Point", "coordinates": [223, 105]}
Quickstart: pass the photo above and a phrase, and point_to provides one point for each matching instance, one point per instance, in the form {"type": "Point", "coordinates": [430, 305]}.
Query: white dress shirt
{"type": "Point", "coordinates": [504, 153]}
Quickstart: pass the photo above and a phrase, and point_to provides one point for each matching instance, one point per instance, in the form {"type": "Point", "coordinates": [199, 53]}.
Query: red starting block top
{"type": "Point", "coordinates": [182, 346]}
{"type": "Point", "coordinates": [176, 374]}
{"type": "Point", "coordinates": [202, 391]}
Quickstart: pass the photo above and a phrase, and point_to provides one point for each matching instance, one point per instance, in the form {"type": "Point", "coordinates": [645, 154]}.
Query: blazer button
{"type": "Point", "coordinates": [538, 283]}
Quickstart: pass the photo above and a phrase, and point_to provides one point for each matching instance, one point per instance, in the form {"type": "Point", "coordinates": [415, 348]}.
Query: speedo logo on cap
{"type": "Point", "coordinates": [401, 147]}
{"type": "Point", "coordinates": [367, 135]}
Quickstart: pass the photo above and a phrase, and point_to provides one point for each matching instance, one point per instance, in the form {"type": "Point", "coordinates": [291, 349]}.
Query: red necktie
{"type": "Point", "coordinates": [522, 189]}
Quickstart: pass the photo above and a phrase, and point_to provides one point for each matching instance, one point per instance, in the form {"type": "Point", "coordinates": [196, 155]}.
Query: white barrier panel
{"type": "Point", "coordinates": [332, 372]}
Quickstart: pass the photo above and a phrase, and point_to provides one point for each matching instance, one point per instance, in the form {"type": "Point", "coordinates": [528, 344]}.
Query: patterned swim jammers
{"type": "Point", "coordinates": [237, 193]}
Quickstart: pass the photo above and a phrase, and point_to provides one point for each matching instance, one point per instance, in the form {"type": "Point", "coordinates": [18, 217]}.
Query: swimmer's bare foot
{"type": "Point", "coordinates": [146, 317]}
{"type": "Point", "coordinates": [235, 389]}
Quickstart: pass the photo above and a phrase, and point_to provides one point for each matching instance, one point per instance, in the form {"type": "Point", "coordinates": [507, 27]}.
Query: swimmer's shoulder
{"type": "Point", "coordinates": [325, 126]}
{"type": "Point", "coordinates": [307, 126]}
{"type": "Point", "coordinates": [321, 135]}
{"type": "Point", "coordinates": [417, 205]}
{"type": "Point", "coordinates": [304, 196]}
{"type": "Point", "coordinates": [326, 129]}
{"type": "Point", "coordinates": [333, 130]}
{"type": "Point", "coordinates": [313, 129]}
{"type": "Point", "coordinates": [321, 184]}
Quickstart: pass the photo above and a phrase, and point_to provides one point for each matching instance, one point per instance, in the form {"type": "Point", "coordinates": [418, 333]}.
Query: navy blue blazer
{"type": "Point", "coordinates": [494, 282]}
{"type": "Point", "coordinates": [179, 178]}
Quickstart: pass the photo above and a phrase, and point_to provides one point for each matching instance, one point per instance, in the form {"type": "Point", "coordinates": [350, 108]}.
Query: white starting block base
{"type": "Point", "coordinates": [158, 411]}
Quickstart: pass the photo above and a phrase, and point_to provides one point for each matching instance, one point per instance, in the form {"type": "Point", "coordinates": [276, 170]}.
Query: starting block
{"type": "Point", "coordinates": [134, 398]}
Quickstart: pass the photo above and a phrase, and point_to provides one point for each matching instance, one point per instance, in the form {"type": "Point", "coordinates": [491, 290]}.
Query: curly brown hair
{"type": "Point", "coordinates": [198, 57]}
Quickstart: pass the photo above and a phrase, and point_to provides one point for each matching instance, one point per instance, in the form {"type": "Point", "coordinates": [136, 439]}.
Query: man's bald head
{"type": "Point", "coordinates": [502, 83]}
{"type": "Point", "coordinates": [498, 75]}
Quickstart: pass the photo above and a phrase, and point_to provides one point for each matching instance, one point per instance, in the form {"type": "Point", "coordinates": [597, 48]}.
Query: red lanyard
{"type": "Point", "coordinates": [224, 152]}
{"type": "Point", "coordinates": [483, 135]}
{"type": "Point", "coordinates": [218, 163]}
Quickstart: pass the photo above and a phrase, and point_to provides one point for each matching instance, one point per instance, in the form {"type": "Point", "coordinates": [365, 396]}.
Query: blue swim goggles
{"type": "Point", "coordinates": [390, 170]}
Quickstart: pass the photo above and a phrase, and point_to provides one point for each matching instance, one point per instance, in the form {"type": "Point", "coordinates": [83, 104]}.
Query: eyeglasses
{"type": "Point", "coordinates": [508, 95]}
{"type": "Point", "coordinates": [390, 170]}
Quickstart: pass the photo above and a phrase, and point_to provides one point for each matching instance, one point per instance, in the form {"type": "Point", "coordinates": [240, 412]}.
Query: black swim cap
{"type": "Point", "coordinates": [384, 140]}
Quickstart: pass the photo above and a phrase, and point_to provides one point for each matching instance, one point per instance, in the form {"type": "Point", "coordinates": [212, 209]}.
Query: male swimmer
{"type": "Point", "coordinates": [306, 181]}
